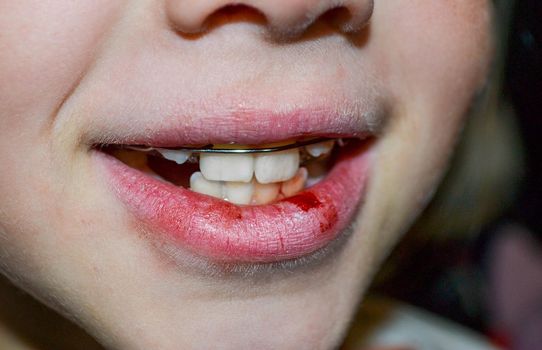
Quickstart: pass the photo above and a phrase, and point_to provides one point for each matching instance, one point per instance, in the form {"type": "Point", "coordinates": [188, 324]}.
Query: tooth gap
{"type": "Point", "coordinates": [194, 158]}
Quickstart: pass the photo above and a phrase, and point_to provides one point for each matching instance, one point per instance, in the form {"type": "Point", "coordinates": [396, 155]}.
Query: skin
{"type": "Point", "coordinates": [66, 240]}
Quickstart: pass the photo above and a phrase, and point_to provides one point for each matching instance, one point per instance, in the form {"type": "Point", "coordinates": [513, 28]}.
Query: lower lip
{"type": "Point", "coordinates": [288, 229]}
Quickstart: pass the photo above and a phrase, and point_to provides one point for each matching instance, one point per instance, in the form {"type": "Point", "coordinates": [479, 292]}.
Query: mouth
{"type": "Point", "coordinates": [242, 202]}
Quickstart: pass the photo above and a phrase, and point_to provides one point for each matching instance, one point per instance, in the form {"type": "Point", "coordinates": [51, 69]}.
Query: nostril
{"type": "Point", "coordinates": [199, 16]}
{"type": "Point", "coordinates": [349, 16]}
{"type": "Point", "coordinates": [239, 10]}
{"type": "Point", "coordinates": [234, 13]}
{"type": "Point", "coordinates": [338, 17]}
{"type": "Point", "coordinates": [282, 19]}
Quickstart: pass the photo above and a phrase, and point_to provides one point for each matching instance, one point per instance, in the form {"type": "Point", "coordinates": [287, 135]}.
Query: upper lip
{"type": "Point", "coordinates": [245, 126]}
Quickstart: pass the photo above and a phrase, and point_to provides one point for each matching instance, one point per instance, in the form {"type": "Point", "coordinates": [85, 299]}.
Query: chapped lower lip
{"type": "Point", "coordinates": [212, 228]}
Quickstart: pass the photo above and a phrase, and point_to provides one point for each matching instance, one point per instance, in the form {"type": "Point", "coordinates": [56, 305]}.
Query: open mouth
{"type": "Point", "coordinates": [242, 202]}
{"type": "Point", "coordinates": [242, 175]}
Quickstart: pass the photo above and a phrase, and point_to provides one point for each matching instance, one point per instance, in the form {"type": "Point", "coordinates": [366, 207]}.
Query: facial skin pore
{"type": "Point", "coordinates": [74, 71]}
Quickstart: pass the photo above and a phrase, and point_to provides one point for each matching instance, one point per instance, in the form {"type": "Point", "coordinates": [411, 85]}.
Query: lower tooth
{"type": "Point", "coordinates": [265, 193]}
{"type": "Point", "coordinates": [238, 192]}
{"type": "Point", "coordinates": [296, 184]}
{"type": "Point", "coordinates": [200, 184]}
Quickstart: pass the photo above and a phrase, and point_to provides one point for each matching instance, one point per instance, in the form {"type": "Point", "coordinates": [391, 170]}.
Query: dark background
{"type": "Point", "coordinates": [524, 88]}
{"type": "Point", "coordinates": [453, 280]}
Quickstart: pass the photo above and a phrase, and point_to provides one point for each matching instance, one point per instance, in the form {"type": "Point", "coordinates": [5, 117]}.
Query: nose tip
{"type": "Point", "coordinates": [283, 16]}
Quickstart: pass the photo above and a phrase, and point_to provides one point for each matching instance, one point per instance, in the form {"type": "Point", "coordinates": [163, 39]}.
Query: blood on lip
{"type": "Point", "coordinates": [287, 229]}
{"type": "Point", "coordinates": [228, 210]}
{"type": "Point", "coordinates": [307, 201]}
{"type": "Point", "coordinates": [304, 201]}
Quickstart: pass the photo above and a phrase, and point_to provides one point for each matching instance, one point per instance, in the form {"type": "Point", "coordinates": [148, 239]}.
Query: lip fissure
{"type": "Point", "coordinates": [287, 228]}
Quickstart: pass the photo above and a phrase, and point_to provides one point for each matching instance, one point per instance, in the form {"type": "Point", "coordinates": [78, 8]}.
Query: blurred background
{"type": "Point", "coordinates": [475, 257]}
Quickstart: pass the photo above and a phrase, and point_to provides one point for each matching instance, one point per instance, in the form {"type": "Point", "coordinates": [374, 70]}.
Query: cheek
{"type": "Point", "coordinates": [45, 46]}
{"type": "Point", "coordinates": [44, 49]}
{"type": "Point", "coordinates": [442, 63]}
{"type": "Point", "coordinates": [435, 56]}
{"type": "Point", "coordinates": [439, 51]}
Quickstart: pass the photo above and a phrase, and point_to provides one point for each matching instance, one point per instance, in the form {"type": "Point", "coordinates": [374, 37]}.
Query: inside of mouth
{"type": "Point", "coordinates": [243, 179]}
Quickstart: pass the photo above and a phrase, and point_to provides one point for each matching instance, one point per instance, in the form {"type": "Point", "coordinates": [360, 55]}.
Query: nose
{"type": "Point", "coordinates": [283, 16]}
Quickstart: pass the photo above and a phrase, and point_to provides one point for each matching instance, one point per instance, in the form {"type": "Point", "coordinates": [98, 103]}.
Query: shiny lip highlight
{"type": "Point", "coordinates": [292, 228]}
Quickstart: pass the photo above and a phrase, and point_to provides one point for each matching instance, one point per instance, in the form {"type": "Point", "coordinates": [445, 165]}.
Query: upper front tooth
{"type": "Point", "coordinates": [179, 157]}
{"type": "Point", "coordinates": [317, 149]}
{"type": "Point", "coordinates": [227, 167]}
{"type": "Point", "coordinates": [276, 167]}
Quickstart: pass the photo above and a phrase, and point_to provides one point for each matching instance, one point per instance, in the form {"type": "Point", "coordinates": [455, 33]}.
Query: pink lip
{"type": "Point", "coordinates": [221, 231]}
{"type": "Point", "coordinates": [243, 127]}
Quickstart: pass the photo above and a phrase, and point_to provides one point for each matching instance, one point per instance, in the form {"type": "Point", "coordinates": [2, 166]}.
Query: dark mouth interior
{"type": "Point", "coordinates": [179, 174]}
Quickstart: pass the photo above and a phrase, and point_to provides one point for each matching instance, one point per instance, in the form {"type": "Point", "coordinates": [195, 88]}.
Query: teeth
{"type": "Point", "coordinates": [318, 149]}
{"type": "Point", "coordinates": [200, 184]}
{"type": "Point", "coordinates": [296, 184]}
{"type": "Point", "coordinates": [264, 193]}
{"type": "Point", "coordinates": [179, 157]}
{"type": "Point", "coordinates": [255, 179]}
{"type": "Point", "coordinates": [276, 167]}
{"type": "Point", "coordinates": [238, 192]}
{"type": "Point", "coordinates": [227, 167]}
